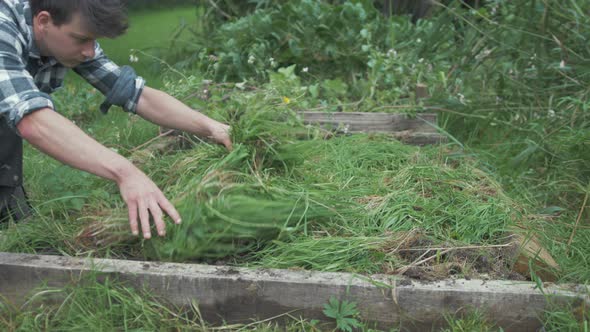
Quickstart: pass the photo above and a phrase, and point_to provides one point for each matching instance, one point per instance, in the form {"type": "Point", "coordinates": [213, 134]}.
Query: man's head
{"type": "Point", "coordinates": [68, 29]}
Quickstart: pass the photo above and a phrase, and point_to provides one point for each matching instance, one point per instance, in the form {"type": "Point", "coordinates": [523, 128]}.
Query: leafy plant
{"type": "Point", "coordinates": [344, 312]}
{"type": "Point", "coordinates": [309, 33]}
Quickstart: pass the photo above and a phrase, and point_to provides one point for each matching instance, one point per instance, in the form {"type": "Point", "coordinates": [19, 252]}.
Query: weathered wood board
{"type": "Point", "coordinates": [240, 294]}
{"type": "Point", "coordinates": [418, 130]}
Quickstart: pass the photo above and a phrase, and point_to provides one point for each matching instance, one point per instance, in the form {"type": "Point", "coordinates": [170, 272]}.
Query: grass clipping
{"type": "Point", "coordinates": [229, 213]}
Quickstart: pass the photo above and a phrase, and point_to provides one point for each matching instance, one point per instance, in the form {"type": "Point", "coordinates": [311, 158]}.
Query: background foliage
{"type": "Point", "coordinates": [511, 76]}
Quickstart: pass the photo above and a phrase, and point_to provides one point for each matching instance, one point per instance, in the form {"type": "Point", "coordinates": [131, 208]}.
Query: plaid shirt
{"type": "Point", "coordinates": [27, 78]}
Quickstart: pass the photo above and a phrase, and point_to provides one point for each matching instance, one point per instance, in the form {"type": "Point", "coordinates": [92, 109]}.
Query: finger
{"type": "Point", "coordinates": [132, 209]}
{"type": "Point", "coordinates": [228, 145]}
{"type": "Point", "coordinates": [227, 141]}
{"type": "Point", "coordinates": [169, 209]}
{"type": "Point", "coordinates": [156, 213]}
{"type": "Point", "coordinates": [144, 217]}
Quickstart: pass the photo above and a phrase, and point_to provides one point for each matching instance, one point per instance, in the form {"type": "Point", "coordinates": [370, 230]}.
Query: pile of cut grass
{"type": "Point", "coordinates": [288, 197]}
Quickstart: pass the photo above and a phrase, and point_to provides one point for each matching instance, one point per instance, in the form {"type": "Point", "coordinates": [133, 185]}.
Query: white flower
{"type": "Point", "coordinates": [462, 99]}
{"type": "Point", "coordinates": [551, 113]}
{"type": "Point", "coordinates": [251, 59]}
{"type": "Point", "coordinates": [133, 58]}
{"type": "Point", "coordinates": [418, 40]}
{"type": "Point", "coordinates": [392, 53]}
{"type": "Point", "coordinates": [346, 129]}
{"type": "Point", "coordinates": [305, 70]}
{"type": "Point", "coordinates": [562, 64]}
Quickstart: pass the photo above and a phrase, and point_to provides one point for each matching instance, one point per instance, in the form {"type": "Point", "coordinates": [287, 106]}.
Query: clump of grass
{"type": "Point", "coordinates": [99, 306]}
{"type": "Point", "coordinates": [325, 253]}
{"type": "Point", "coordinates": [567, 319]}
{"type": "Point", "coordinates": [472, 321]}
{"type": "Point", "coordinates": [228, 213]}
{"type": "Point", "coordinates": [398, 187]}
{"type": "Point", "coordinates": [39, 235]}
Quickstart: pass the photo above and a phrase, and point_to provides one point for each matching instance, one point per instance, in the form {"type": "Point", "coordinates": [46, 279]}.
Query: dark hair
{"type": "Point", "coordinates": [104, 18]}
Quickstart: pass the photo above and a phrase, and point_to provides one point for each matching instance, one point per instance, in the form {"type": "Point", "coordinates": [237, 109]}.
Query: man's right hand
{"type": "Point", "coordinates": [61, 139]}
{"type": "Point", "coordinates": [220, 134]}
{"type": "Point", "coordinates": [144, 198]}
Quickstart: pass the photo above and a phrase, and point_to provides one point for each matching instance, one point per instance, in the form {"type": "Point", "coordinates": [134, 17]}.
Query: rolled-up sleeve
{"type": "Point", "coordinates": [19, 95]}
{"type": "Point", "coordinates": [120, 85]}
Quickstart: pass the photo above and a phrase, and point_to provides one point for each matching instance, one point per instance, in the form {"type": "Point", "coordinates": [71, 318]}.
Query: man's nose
{"type": "Point", "coordinates": [88, 51]}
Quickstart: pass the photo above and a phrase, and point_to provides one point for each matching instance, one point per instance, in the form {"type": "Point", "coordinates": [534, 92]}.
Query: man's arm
{"type": "Point", "coordinates": [61, 139]}
{"type": "Point", "coordinates": [161, 108]}
{"type": "Point", "coordinates": [153, 105]}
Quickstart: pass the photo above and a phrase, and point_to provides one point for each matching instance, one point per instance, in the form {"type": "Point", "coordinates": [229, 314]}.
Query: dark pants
{"type": "Point", "coordinates": [13, 204]}
{"type": "Point", "coordinates": [13, 200]}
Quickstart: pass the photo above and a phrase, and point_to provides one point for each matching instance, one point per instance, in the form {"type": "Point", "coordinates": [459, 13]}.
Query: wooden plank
{"type": "Point", "coordinates": [419, 138]}
{"type": "Point", "coordinates": [359, 122]}
{"type": "Point", "coordinates": [240, 294]}
{"type": "Point", "coordinates": [410, 130]}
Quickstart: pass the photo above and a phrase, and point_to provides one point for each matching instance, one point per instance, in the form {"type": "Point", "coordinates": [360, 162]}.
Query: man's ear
{"type": "Point", "coordinates": [43, 20]}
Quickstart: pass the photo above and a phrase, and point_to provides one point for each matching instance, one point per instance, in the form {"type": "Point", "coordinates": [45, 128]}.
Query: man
{"type": "Point", "coordinates": [39, 41]}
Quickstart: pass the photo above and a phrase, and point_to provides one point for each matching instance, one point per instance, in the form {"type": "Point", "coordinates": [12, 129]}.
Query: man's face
{"type": "Point", "coordinates": [70, 43]}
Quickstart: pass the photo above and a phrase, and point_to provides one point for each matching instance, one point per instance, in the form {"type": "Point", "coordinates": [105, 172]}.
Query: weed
{"type": "Point", "coordinates": [344, 312]}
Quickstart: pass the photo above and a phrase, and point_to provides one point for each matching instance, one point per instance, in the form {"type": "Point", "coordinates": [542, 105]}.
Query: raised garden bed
{"type": "Point", "coordinates": [386, 299]}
